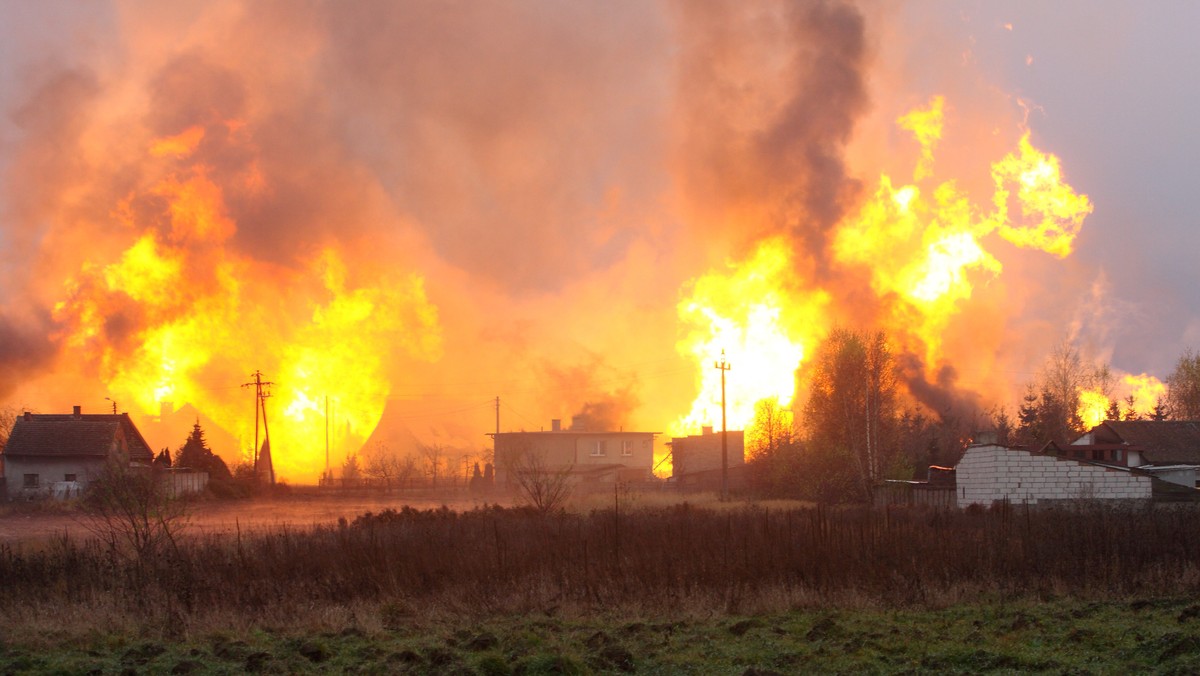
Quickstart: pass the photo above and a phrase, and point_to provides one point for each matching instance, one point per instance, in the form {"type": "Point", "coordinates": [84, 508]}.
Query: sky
{"type": "Point", "coordinates": [421, 206]}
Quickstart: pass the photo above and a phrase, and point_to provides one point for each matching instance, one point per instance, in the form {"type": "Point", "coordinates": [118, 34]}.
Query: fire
{"type": "Point", "coordinates": [757, 313]}
{"type": "Point", "coordinates": [926, 125]}
{"type": "Point", "coordinates": [924, 246]}
{"type": "Point", "coordinates": [1146, 391]}
{"type": "Point", "coordinates": [1093, 408]}
{"type": "Point", "coordinates": [183, 317]}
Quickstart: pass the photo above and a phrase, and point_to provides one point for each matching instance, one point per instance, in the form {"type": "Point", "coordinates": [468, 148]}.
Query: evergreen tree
{"type": "Point", "coordinates": [1114, 411]}
{"type": "Point", "coordinates": [1029, 429]}
{"type": "Point", "coordinates": [163, 459]}
{"type": "Point", "coordinates": [196, 455]}
{"type": "Point", "coordinates": [1130, 412]}
{"type": "Point", "coordinates": [1160, 411]}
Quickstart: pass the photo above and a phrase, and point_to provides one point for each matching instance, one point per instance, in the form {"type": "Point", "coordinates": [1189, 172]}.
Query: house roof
{"type": "Point", "coordinates": [1159, 441]}
{"type": "Point", "coordinates": [67, 435]}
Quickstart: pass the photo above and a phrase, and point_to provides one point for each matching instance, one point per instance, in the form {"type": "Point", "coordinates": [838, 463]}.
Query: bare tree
{"type": "Point", "coordinates": [381, 463]}
{"type": "Point", "coordinates": [852, 403]}
{"type": "Point", "coordinates": [1183, 388]}
{"type": "Point", "coordinates": [434, 457]}
{"type": "Point", "coordinates": [8, 417]}
{"type": "Point", "coordinates": [131, 510]}
{"type": "Point", "coordinates": [772, 428]}
{"type": "Point", "coordinates": [351, 472]}
{"type": "Point", "coordinates": [544, 487]}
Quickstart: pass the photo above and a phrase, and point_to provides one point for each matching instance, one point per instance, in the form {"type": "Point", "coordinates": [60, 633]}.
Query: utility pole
{"type": "Point", "coordinates": [724, 366]}
{"type": "Point", "coordinates": [497, 414]}
{"type": "Point", "coordinates": [114, 403]}
{"type": "Point", "coordinates": [261, 392]}
{"type": "Point", "coordinates": [326, 477]}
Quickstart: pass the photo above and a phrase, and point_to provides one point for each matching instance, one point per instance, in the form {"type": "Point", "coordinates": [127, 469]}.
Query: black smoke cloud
{"type": "Point", "coordinates": [770, 95]}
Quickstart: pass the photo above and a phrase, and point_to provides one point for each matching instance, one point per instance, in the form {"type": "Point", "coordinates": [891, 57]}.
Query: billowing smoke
{"type": "Point", "coordinates": [417, 207]}
{"type": "Point", "coordinates": [604, 415]}
{"type": "Point", "coordinates": [769, 96]}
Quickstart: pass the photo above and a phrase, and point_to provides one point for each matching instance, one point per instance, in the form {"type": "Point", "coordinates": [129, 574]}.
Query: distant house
{"type": "Point", "coordinates": [696, 459]}
{"type": "Point", "coordinates": [56, 455]}
{"type": "Point", "coordinates": [589, 456]}
{"type": "Point", "coordinates": [1139, 443]}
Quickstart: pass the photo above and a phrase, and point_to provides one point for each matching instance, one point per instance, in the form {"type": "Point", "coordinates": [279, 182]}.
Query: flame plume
{"type": "Point", "coordinates": [923, 245]}
{"type": "Point", "coordinates": [182, 317]}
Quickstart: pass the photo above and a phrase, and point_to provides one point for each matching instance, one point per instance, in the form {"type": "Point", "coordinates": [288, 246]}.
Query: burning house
{"type": "Point", "coordinates": [589, 456]}
{"type": "Point", "coordinates": [58, 454]}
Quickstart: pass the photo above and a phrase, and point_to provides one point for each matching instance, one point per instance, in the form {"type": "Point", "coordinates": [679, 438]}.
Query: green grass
{"type": "Point", "coordinates": [1059, 636]}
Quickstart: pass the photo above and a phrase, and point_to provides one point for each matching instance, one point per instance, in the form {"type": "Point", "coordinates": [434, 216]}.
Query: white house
{"type": "Point", "coordinates": [57, 455]}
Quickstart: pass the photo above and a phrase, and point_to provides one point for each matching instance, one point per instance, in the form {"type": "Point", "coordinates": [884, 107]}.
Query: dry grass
{"type": "Point", "coordinates": [678, 561]}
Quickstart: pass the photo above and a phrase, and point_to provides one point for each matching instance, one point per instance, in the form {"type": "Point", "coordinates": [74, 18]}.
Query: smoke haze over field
{"type": "Point", "coordinates": [411, 208]}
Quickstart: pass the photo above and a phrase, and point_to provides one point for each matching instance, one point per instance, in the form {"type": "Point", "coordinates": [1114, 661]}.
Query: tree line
{"type": "Point", "coordinates": [857, 427]}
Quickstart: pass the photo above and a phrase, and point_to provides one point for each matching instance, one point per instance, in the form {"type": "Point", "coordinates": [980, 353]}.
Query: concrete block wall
{"type": "Point", "coordinates": [987, 474]}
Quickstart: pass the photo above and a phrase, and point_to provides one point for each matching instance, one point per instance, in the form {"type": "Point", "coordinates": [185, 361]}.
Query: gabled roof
{"type": "Point", "coordinates": [1159, 441]}
{"type": "Point", "coordinates": [67, 435]}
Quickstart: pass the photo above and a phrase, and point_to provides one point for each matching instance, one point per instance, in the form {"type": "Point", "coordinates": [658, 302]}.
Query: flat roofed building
{"type": "Point", "coordinates": [589, 455]}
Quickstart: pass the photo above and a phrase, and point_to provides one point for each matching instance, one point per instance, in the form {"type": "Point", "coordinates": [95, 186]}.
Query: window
{"type": "Point", "coordinates": [68, 477]}
{"type": "Point", "coordinates": [627, 447]}
{"type": "Point", "coordinates": [598, 448]}
{"type": "Point", "coordinates": [31, 481]}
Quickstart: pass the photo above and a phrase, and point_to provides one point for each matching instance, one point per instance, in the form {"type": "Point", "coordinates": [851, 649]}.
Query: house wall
{"type": "Point", "coordinates": [700, 453]}
{"type": "Point", "coordinates": [578, 449]}
{"type": "Point", "coordinates": [50, 471]}
{"type": "Point", "coordinates": [987, 474]}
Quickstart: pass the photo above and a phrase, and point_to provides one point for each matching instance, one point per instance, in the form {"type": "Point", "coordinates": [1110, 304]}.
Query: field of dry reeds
{"type": "Point", "coordinates": [650, 560]}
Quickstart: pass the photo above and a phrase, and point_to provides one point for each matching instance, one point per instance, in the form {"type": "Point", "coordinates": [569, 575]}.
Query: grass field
{"type": "Point", "coordinates": [652, 588]}
{"type": "Point", "coordinates": [1056, 636]}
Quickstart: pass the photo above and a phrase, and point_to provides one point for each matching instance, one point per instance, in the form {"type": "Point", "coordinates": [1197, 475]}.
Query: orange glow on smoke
{"type": "Point", "coordinates": [180, 145]}
{"type": "Point", "coordinates": [180, 317]}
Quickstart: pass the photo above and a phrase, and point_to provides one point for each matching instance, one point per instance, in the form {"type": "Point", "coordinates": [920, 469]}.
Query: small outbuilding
{"type": "Point", "coordinates": [990, 473]}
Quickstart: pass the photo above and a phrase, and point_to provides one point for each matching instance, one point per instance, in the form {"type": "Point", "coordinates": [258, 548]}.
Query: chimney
{"type": "Point", "coordinates": [706, 430]}
{"type": "Point", "coordinates": [556, 425]}
{"type": "Point", "coordinates": [577, 422]}
{"type": "Point", "coordinates": [28, 416]}
{"type": "Point", "coordinates": [77, 413]}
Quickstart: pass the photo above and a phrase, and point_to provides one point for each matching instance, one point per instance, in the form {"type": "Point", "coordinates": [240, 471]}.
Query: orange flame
{"type": "Point", "coordinates": [759, 316]}
{"type": "Point", "coordinates": [182, 318]}
{"type": "Point", "coordinates": [923, 247]}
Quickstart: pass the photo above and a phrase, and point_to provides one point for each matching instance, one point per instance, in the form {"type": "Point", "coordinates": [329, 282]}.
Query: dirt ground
{"type": "Point", "coordinates": [25, 522]}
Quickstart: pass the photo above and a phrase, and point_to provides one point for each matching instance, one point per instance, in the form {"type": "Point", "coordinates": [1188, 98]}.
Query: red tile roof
{"type": "Point", "coordinates": [1160, 441]}
{"type": "Point", "coordinates": [66, 435]}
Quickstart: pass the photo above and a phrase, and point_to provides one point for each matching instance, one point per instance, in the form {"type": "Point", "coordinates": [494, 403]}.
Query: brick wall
{"type": "Point", "coordinates": [987, 474]}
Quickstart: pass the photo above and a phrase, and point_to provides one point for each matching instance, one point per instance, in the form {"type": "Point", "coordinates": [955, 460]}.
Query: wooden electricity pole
{"type": "Point", "coordinates": [261, 392]}
{"type": "Point", "coordinates": [724, 366]}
